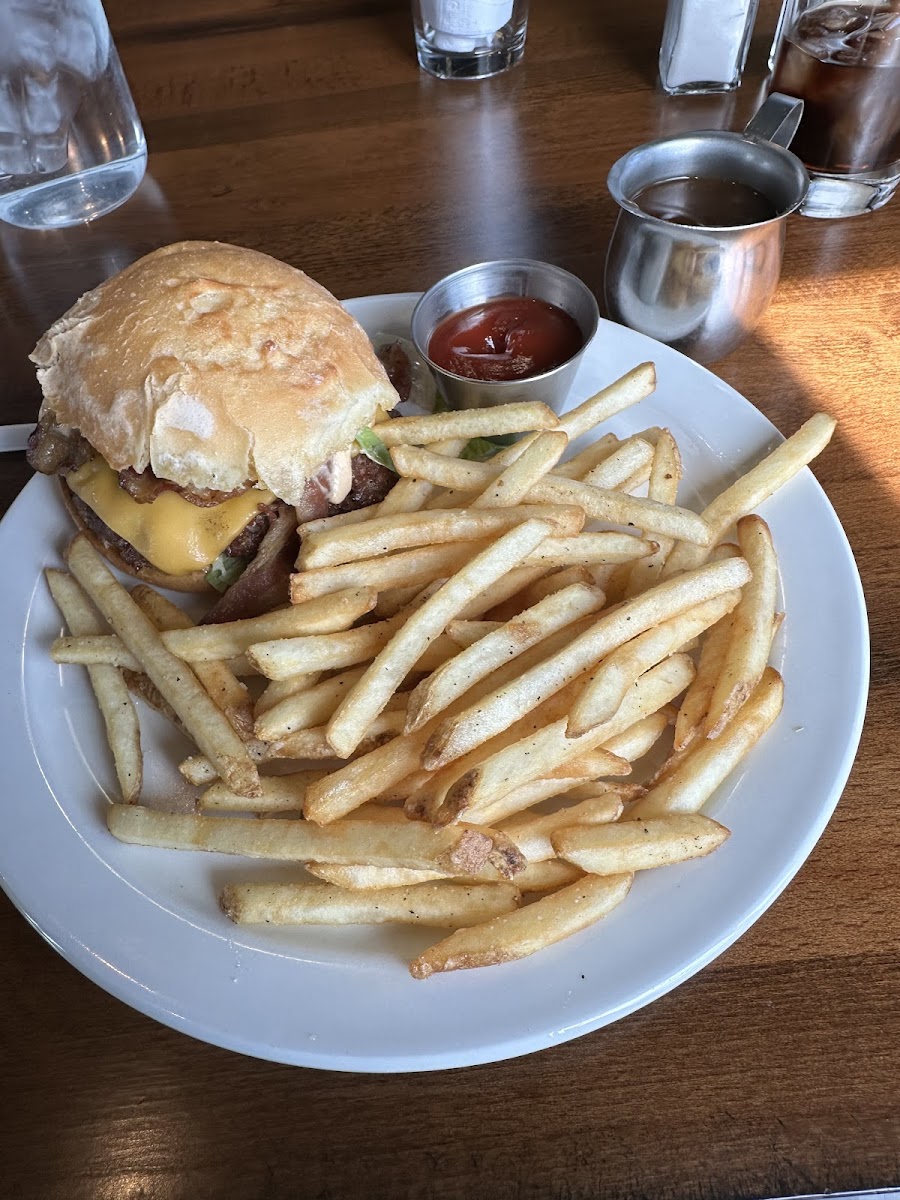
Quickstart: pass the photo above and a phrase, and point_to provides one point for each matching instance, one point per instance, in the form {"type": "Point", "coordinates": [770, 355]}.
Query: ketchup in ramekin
{"type": "Point", "coordinates": [505, 338]}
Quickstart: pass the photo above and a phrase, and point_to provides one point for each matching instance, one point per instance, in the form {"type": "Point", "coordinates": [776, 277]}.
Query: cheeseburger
{"type": "Point", "coordinates": [199, 404]}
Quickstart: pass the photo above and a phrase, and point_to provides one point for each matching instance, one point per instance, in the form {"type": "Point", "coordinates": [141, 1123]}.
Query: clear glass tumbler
{"type": "Point", "coordinates": [71, 144]}
{"type": "Point", "coordinates": [469, 39]}
{"type": "Point", "coordinates": [842, 59]}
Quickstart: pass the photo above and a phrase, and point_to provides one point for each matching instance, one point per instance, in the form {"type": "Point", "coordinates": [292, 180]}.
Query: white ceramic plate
{"type": "Point", "coordinates": [144, 923]}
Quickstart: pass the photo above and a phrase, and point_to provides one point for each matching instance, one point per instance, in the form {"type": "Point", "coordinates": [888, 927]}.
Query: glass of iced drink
{"type": "Point", "coordinates": [843, 60]}
{"type": "Point", "coordinates": [71, 144]}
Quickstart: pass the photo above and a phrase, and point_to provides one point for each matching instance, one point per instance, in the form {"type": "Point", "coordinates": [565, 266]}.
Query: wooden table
{"type": "Point", "coordinates": [304, 128]}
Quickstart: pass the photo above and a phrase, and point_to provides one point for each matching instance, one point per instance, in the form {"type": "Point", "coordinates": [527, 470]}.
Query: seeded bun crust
{"type": "Point", "coordinates": [215, 366]}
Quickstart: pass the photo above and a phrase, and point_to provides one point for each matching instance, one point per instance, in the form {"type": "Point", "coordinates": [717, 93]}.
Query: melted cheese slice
{"type": "Point", "coordinates": [175, 536]}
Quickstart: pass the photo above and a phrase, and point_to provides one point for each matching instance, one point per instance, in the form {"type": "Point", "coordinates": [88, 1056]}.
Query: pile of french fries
{"type": "Point", "coordinates": [453, 723]}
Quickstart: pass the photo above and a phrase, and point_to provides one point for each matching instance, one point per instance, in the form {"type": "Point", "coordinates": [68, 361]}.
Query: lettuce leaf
{"type": "Point", "coordinates": [481, 449]}
{"type": "Point", "coordinates": [373, 447]}
{"type": "Point", "coordinates": [225, 571]}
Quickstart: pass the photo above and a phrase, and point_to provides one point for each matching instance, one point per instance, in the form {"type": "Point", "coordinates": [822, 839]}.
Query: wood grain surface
{"type": "Point", "coordinates": [304, 128]}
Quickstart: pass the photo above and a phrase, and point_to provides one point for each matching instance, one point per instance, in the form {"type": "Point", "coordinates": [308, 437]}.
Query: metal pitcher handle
{"type": "Point", "coordinates": [776, 120]}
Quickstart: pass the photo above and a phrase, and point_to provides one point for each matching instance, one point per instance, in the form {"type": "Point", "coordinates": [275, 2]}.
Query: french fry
{"type": "Point", "coordinates": [368, 776]}
{"type": "Point", "coordinates": [549, 875]}
{"type": "Point", "coordinates": [708, 762]}
{"type": "Point", "coordinates": [544, 586]}
{"type": "Point", "coordinates": [584, 549]}
{"type": "Point", "coordinates": [619, 671]}
{"type": "Point", "coordinates": [527, 930]}
{"type": "Point", "coordinates": [315, 744]}
{"type": "Point", "coordinates": [467, 423]}
{"type": "Point", "coordinates": [376, 773]}
{"type": "Point", "coordinates": [512, 485]}
{"type": "Point", "coordinates": [751, 627]}
{"type": "Point", "coordinates": [632, 457]}
{"type": "Point", "coordinates": [421, 565]}
{"type": "Point", "coordinates": [457, 735]}
{"type": "Point", "coordinates": [353, 517]}
{"type": "Point", "coordinates": [305, 709]}
{"type": "Point", "coordinates": [665, 476]}
{"type": "Point", "coordinates": [538, 754]}
{"type": "Point", "coordinates": [279, 793]}
{"type": "Point", "coordinates": [695, 703]}
{"type": "Point", "coordinates": [615, 461]}
{"type": "Point", "coordinates": [361, 877]}
{"type": "Point", "coordinates": [639, 845]}
{"type": "Point", "coordinates": [108, 649]}
{"type": "Point", "coordinates": [633, 386]}
{"type": "Point", "coordinates": [467, 633]}
{"type": "Point", "coordinates": [423, 791]}
{"type": "Point", "coordinates": [499, 592]}
{"type": "Point", "coordinates": [369, 695]}
{"type": "Point", "coordinates": [410, 495]}
{"type": "Point", "coordinates": [442, 472]}
{"type": "Point", "coordinates": [591, 456]}
{"type": "Point", "coordinates": [207, 725]}
{"type": "Point", "coordinates": [94, 649]}
{"type": "Point", "coordinates": [205, 643]}
{"type": "Point", "coordinates": [532, 832]}
{"type": "Point", "coordinates": [519, 800]}
{"type": "Point", "coordinates": [535, 877]}
{"type": "Point", "coordinates": [458, 674]}
{"type": "Point", "coordinates": [633, 482]}
{"type": "Point", "coordinates": [749, 491]}
{"type": "Point", "coordinates": [280, 689]}
{"type": "Point", "coordinates": [379, 811]}
{"type": "Point", "coordinates": [198, 770]}
{"type": "Point", "coordinates": [606, 504]}
{"type": "Point", "coordinates": [385, 535]}
{"type": "Point", "coordinates": [394, 600]}
{"type": "Point", "coordinates": [600, 788]}
{"type": "Point", "coordinates": [634, 742]}
{"type": "Point", "coordinates": [284, 657]}
{"type": "Point", "coordinates": [119, 717]}
{"type": "Point", "coordinates": [223, 686]}
{"type": "Point", "coordinates": [445, 903]}
{"type": "Point", "coordinates": [139, 685]}
{"type": "Point", "coordinates": [457, 851]}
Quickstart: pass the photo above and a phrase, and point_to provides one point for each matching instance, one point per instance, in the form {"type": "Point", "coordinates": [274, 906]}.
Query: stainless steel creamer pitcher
{"type": "Point", "coordinates": [702, 288]}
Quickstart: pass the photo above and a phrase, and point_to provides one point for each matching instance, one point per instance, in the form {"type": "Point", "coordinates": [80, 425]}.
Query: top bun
{"type": "Point", "coordinates": [215, 366]}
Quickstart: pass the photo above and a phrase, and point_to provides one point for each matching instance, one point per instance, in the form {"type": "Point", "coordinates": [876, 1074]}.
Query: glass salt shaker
{"type": "Point", "coordinates": [704, 45]}
{"type": "Point", "coordinates": [469, 39]}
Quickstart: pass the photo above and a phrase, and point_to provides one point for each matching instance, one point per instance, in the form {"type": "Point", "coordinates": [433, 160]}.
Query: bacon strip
{"type": "Point", "coordinates": [144, 487]}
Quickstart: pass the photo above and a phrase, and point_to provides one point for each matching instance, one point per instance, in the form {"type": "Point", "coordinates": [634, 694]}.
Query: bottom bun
{"type": "Point", "coordinates": [100, 536]}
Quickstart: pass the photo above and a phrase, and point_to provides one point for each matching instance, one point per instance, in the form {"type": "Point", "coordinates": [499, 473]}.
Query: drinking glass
{"type": "Point", "coordinates": [71, 144]}
{"type": "Point", "coordinates": [469, 39]}
{"type": "Point", "coordinates": [842, 59]}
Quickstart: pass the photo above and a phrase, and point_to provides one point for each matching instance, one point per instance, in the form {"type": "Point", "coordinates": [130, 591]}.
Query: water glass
{"type": "Point", "coordinates": [71, 144]}
{"type": "Point", "coordinates": [469, 39]}
{"type": "Point", "coordinates": [843, 60]}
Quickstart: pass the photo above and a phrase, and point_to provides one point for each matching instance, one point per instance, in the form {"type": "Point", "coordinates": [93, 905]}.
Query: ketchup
{"type": "Point", "coordinates": [510, 337]}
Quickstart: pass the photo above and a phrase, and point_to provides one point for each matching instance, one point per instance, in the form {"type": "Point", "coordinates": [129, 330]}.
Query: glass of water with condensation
{"type": "Point", "coordinates": [71, 144]}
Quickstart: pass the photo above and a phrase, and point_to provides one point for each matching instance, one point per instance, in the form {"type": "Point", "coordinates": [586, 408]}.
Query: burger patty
{"type": "Point", "coordinates": [371, 482]}
{"type": "Point", "coordinates": [245, 545]}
